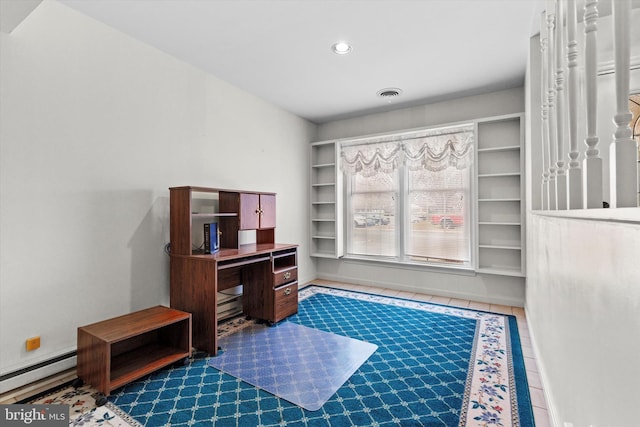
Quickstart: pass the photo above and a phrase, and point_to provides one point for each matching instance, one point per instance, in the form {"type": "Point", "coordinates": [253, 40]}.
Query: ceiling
{"type": "Point", "coordinates": [280, 50]}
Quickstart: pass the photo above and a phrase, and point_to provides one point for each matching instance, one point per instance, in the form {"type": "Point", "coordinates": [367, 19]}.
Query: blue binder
{"type": "Point", "coordinates": [211, 244]}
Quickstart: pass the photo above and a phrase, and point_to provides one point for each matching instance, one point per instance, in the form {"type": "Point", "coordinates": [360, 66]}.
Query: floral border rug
{"type": "Point", "coordinates": [494, 392]}
{"type": "Point", "coordinates": [435, 366]}
{"type": "Point", "coordinates": [83, 410]}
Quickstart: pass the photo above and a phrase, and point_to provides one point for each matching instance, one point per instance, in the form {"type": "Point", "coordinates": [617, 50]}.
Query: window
{"type": "Point", "coordinates": [408, 196]}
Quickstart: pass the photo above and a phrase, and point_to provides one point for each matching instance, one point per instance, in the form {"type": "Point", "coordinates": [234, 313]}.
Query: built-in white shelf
{"type": "Point", "coordinates": [510, 224]}
{"type": "Point", "coordinates": [323, 237]}
{"type": "Point", "coordinates": [496, 149]}
{"type": "Point", "coordinates": [501, 271]}
{"type": "Point", "coordinates": [500, 196]}
{"type": "Point", "coordinates": [326, 187]}
{"type": "Point", "coordinates": [494, 175]}
{"type": "Point", "coordinates": [500, 247]}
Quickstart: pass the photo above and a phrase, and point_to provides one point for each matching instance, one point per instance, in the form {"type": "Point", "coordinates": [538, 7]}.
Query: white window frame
{"type": "Point", "coordinates": [403, 215]}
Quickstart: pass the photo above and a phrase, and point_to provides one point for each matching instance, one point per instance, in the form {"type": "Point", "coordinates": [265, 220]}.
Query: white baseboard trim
{"type": "Point", "coordinates": [513, 302]}
{"type": "Point", "coordinates": [33, 375]}
{"type": "Point", "coordinates": [544, 379]}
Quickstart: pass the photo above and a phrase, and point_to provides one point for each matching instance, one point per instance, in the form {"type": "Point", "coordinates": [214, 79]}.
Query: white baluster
{"type": "Point", "coordinates": [545, 113]}
{"type": "Point", "coordinates": [561, 175]}
{"type": "Point", "coordinates": [551, 93]}
{"type": "Point", "coordinates": [623, 151]}
{"type": "Point", "coordinates": [575, 173]}
{"type": "Point", "coordinates": [592, 164]}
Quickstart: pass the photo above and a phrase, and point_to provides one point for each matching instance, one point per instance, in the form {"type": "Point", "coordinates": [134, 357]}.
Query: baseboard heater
{"type": "Point", "coordinates": [229, 303]}
{"type": "Point", "coordinates": [36, 372]}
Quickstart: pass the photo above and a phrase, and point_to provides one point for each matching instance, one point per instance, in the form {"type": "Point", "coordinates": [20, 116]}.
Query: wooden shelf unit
{"type": "Point", "coordinates": [115, 352]}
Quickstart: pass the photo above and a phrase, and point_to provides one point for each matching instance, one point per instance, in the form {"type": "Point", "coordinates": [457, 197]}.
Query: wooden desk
{"type": "Point", "coordinates": [267, 271]}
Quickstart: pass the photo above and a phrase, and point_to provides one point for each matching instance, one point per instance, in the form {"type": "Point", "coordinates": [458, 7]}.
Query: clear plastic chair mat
{"type": "Point", "coordinates": [302, 365]}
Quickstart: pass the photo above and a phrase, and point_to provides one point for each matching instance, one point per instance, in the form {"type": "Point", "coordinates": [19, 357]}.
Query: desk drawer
{"type": "Point", "coordinates": [285, 276]}
{"type": "Point", "coordinates": [285, 301]}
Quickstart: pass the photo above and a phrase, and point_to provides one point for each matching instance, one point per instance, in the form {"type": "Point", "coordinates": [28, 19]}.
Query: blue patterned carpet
{"type": "Point", "coordinates": [434, 366]}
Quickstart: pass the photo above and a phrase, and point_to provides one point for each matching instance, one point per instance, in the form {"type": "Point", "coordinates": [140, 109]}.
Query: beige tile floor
{"type": "Point", "coordinates": [535, 386]}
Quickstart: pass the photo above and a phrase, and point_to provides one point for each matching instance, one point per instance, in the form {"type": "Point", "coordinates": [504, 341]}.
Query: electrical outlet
{"type": "Point", "coordinates": [33, 343]}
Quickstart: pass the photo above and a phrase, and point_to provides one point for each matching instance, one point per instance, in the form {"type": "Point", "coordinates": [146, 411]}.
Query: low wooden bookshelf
{"type": "Point", "coordinates": [115, 352]}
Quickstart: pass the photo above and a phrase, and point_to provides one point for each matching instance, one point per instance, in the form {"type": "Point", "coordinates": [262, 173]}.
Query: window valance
{"type": "Point", "coordinates": [433, 150]}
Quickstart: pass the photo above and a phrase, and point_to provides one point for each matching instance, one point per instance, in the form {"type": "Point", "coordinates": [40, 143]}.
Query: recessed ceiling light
{"type": "Point", "coordinates": [341, 48]}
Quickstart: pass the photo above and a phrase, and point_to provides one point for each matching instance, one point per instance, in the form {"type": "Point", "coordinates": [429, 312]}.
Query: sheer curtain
{"type": "Point", "coordinates": [432, 150]}
{"type": "Point", "coordinates": [408, 195]}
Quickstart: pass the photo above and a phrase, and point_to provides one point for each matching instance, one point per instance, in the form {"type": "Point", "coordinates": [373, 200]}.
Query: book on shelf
{"type": "Point", "coordinates": [211, 242]}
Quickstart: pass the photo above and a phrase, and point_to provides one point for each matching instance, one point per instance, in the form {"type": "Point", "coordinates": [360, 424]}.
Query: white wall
{"type": "Point", "coordinates": [488, 288]}
{"type": "Point", "coordinates": [95, 127]}
{"type": "Point", "coordinates": [583, 305]}
{"type": "Point", "coordinates": [455, 110]}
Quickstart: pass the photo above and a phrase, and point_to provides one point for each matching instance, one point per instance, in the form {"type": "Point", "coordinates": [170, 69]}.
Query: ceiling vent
{"type": "Point", "coordinates": [389, 93]}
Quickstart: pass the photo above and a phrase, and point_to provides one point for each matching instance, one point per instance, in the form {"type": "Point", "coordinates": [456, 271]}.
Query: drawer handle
{"type": "Point", "coordinates": [287, 276]}
{"type": "Point", "coordinates": [287, 291]}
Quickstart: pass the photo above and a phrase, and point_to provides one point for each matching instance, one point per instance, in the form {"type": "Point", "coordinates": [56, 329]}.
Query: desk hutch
{"type": "Point", "coordinates": [266, 270]}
